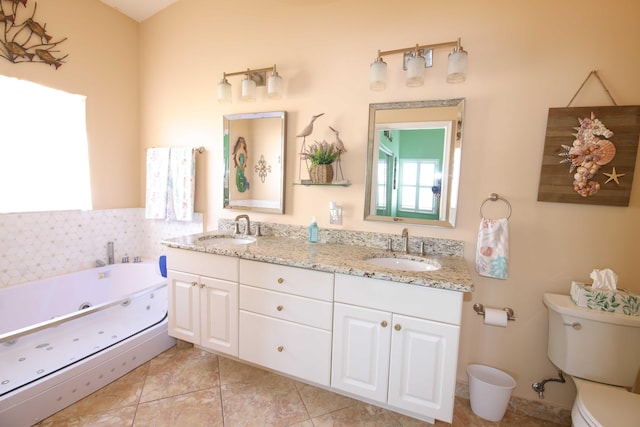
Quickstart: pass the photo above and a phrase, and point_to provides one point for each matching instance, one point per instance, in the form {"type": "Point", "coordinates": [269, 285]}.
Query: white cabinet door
{"type": "Point", "coordinates": [361, 339]}
{"type": "Point", "coordinates": [219, 315]}
{"type": "Point", "coordinates": [184, 306]}
{"type": "Point", "coordinates": [423, 366]}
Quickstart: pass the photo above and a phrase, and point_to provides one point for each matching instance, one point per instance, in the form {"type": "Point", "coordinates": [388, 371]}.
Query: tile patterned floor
{"type": "Point", "coordinates": [189, 387]}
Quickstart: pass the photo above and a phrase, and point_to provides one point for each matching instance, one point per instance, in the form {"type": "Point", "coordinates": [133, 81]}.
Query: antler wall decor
{"type": "Point", "coordinates": [23, 39]}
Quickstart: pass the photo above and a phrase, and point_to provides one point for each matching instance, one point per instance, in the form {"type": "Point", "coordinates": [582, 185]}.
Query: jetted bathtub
{"type": "Point", "coordinates": [63, 338]}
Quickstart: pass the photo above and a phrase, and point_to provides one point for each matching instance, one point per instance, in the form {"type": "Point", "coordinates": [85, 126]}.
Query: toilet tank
{"type": "Point", "coordinates": [594, 345]}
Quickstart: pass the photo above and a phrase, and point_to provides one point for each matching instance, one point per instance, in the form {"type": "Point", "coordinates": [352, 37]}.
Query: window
{"type": "Point", "coordinates": [44, 159]}
{"type": "Point", "coordinates": [417, 179]}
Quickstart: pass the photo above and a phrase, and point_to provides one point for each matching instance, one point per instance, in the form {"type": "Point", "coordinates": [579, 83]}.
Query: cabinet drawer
{"type": "Point", "coordinates": [418, 301]}
{"type": "Point", "coordinates": [306, 311]}
{"type": "Point", "coordinates": [211, 265]}
{"type": "Point", "coordinates": [292, 280]}
{"type": "Point", "coordinates": [290, 348]}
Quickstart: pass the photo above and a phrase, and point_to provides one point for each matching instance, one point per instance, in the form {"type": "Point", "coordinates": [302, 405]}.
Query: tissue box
{"type": "Point", "coordinates": [618, 301]}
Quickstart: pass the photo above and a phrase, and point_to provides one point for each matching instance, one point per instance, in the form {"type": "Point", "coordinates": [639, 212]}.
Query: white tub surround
{"type": "Point", "coordinates": [63, 338]}
{"type": "Point", "coordinates": [318, 312]}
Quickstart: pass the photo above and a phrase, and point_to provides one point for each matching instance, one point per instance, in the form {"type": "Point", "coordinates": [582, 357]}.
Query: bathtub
{"type": "Point", "coordinates": [63, 338]}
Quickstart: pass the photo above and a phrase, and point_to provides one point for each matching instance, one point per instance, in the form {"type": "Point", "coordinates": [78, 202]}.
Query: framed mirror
{"type": "Point", "coordinates": [254, 161]}
{"type": "Point", "coordinates": [413, 162]}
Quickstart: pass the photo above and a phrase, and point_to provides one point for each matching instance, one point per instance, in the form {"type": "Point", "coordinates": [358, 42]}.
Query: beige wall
{"type": "Point", "coordinates": [523, 59]}
{"type": "Point", "coordinates": [102, 65]}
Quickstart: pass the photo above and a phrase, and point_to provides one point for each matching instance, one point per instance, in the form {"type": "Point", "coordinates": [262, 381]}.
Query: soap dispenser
{"type": "Point", "coordinates": [313, 231]}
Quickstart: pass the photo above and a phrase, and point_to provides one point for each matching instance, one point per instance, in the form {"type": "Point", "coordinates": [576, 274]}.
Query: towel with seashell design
{"type": "Point", "coordinates": [492, 252]}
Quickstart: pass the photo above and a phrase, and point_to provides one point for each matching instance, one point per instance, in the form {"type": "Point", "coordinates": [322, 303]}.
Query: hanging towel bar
{"type": "Point", "coordinates": [492, 198]}
{"type": "Point", "coordinates": [200, 150]}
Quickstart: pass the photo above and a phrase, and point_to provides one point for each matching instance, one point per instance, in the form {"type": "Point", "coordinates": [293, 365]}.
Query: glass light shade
{"type": "Point", "coordinates": [274, 86]}
{"type": "Point", "coordinates": [248, 90]}
{"type": "Point", "coordinates": [457, 69]}
{"type": "Point", "coordinates": [224, 92]}
{"type": "Point", "coordinates": [415, 71]}
{"type": "Point", "coordinates": [378, 75]}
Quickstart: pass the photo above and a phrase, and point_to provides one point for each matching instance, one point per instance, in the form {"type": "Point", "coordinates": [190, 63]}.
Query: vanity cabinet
{"type": "Point", "coordinates": [286, 319]}
{"type": "Point", "coordinates": [203, 299]}
{"type": "Point", "coordinates": [396, 344]}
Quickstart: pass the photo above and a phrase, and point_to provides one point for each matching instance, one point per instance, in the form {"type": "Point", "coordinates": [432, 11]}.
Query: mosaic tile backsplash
{"type": "Point", "coordinates": [45, 244]}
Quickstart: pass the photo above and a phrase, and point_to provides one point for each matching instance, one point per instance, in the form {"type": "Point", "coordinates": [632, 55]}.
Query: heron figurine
{"type": "Point", "coordinates": [304, 134]}
{"type": "Point", "coordinates": [341, 149]}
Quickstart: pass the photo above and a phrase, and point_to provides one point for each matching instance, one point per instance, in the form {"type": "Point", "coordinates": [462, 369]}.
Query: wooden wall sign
{"type": "Point", "coordinates": [589, 155]}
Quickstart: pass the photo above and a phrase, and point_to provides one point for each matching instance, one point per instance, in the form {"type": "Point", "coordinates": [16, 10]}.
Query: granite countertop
{"type": "Point", "coordinates": [335, 258]}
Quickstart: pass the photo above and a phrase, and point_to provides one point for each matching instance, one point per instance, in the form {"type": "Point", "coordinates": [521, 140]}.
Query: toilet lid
{"type": "Point", "coordinates": [608, 406]}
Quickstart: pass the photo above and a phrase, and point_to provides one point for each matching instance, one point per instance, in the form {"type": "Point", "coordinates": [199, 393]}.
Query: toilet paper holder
{"type": "Point", "coordinates": [479, 308]}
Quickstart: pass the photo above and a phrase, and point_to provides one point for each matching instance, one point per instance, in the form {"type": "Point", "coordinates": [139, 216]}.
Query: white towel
{"type": "Point", "coordinates": [157, 183]}
{"type": "Point", "coordinates": [182, 184]}
{"type": "Point", "coordinates": [492, 253]}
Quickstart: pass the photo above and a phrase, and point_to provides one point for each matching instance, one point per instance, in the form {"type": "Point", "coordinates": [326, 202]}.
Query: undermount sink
{"type": "Point", "coordinates": [226, 240]}
{"type": "Point", "coordinates": [403, 264]}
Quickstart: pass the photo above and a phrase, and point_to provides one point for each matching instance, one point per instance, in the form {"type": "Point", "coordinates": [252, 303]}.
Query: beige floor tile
{"type": "Point", "coordinates": [178, 371]}
{"type": "Point", "coordinates": [124, 391]}
{"type": "Point", "coordinates": [270, 401]}
{"type": "Point", "coordinates": [236, 372]}
{"type": "Point", "coordinates": [319, 402]}
{"type": "Point", "coordinates": [114, 418]}
{"type": "Point", "coordinates": [200, 408]}
{"type": "Point", "coordinates": [360, 415]}
{"type": "Point", "coordinates": [189, 387]}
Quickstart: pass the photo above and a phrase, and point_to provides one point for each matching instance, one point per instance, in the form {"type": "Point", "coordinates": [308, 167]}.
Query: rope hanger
{"type": "Point", "coordinates": [593, 73]}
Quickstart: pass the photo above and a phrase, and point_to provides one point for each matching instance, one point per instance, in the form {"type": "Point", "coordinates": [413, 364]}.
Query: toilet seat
{"type": "Point", "coordinates": [600, 405]}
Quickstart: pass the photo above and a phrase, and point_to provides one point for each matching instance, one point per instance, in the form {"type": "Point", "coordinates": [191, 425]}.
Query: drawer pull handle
{"type": "Point", "coordinates": [280, 348]}
{"type": "Point", "coordinates": [384, 323]}
{"type": "Point", "coordinates": [397, 327]}
{"type": "Point", "coordinates": [279, 308]}
{"type": "Point", "coordinates": [280, 280]}
{"type": "Point", "coordinates": [194, 283]}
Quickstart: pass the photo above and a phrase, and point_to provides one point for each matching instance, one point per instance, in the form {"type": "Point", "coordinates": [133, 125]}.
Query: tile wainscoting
{"type": "Point", "coordinates": [46, 244]}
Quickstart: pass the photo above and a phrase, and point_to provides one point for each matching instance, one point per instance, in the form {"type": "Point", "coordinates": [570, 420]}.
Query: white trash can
{"type": "Point", "coordinates": [489, 391]}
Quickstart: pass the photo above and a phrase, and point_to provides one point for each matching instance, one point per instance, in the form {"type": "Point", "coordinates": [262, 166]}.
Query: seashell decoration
{"type": "Point", "coordinates": [588, 153]}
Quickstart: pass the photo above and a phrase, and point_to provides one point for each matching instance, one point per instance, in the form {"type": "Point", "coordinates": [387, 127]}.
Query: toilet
{"type": "Point", "coordinates": [601, 352]}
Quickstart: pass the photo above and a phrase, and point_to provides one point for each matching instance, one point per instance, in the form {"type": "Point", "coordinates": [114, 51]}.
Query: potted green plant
{"type": "Point", "coordinates": [321, 155]}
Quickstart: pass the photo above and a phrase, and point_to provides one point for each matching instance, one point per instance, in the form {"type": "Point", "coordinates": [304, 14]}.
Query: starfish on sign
{"type": "Point", "coordinates": [613, 176]}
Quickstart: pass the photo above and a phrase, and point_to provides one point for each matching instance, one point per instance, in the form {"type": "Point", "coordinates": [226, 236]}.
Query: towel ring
{"type": "Point", "coordinates": [492, 198]}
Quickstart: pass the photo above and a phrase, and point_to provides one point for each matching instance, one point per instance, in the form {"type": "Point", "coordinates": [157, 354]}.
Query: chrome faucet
{"type": "Point", "coordinates": [110, 257]}
{"type": "Point", "coordinates": [405, 240]}
{"type": "Point", "coordinates": [247, 230]}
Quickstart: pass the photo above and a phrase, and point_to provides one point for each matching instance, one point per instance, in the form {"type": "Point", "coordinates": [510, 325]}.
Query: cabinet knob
{"type": "Point", "coordinates": [201, 285]}
{"type": "Point", "coordinates": [279, 308]}
{"type": "Point", "coordinates": [280, 280]}
{"type": "Point", "coordinates": [194, 283]}
{"type": "Point", "coordinates": [397, 327]}
{"type": "Point", "coordinates": [280, 348]}
{"type": "Point", "coordinates": [384, 323]}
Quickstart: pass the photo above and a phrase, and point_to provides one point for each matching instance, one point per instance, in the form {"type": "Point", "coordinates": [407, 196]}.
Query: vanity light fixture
{"type": "Point", "coordinates": [253, 79]}
{"type": "Point", "coordinates": [415, 60]}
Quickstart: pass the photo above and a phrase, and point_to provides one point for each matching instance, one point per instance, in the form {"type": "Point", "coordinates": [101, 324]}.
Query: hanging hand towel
{"type": "Point", "coordinates": [492, 253]}
{"type": "Point", "coordinates": [182, 184]}
{"type": "Point", "coordinates": [157, 181]}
